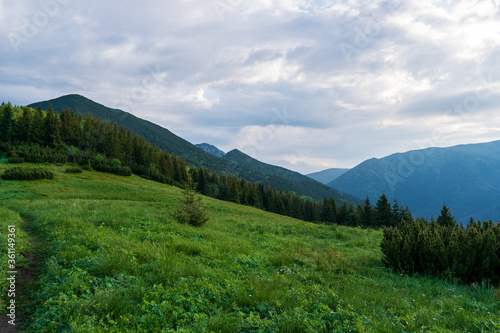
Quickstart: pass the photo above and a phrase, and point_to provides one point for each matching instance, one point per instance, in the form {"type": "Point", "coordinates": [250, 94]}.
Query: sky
{"type": "Point", "coordinates": [307, 85]}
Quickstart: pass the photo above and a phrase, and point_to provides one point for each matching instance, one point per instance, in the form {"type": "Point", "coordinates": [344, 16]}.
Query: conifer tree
{"type": "Point", "coordinates": [445, 218]}
{"type": "Point", "coordinates": [191, 210]}
{"type": "Point", "coordinates": [329, 211]}
{"type": "Point", "coordinates": [70, 128]}
{"type": "Point", "coordinates": [366, 214]}
{"type": "Point", "coordinates": [383, 212]}
{"type": "Point", "coordinates": [36, 133]}
{"type": "Point", "coordinates": [6, 122]}
{"type": "Point", "coordinates": [52, 136]}
{"type": "Point", "coordinates": [22, 126]}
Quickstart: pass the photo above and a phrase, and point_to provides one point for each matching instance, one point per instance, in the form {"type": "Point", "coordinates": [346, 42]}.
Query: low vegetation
{"type": "Point", "coordinates": [34, 173]}
{"type": "Point", "coordinates": [443, 249]}
{"type": "Point", "coordinates": [114, 260]}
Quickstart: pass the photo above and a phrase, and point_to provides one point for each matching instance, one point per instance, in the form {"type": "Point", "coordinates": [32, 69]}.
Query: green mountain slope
{"type": "Point", "coordinates": [155, 134]}
{"type": "Point", "coordinates": [465, 177]}
{"type": "Point", "coordinates": [111, 259]}
{"type": "Point", "coordinates": [195, 156]}
{"type": "Point", "coordinates": [328, 175]}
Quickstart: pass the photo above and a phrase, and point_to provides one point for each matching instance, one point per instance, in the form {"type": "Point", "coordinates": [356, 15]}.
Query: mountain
{"type": "Point", "coordinates": [465, 177]}
{"type": "Point", "coordinates": [211, 149]}
{"type": "Point", "coordinates": [327, 175]}
{"type": "Point", "coordinates": [193, 155]}
{"type": "Point", "coordinates": [153, 133]}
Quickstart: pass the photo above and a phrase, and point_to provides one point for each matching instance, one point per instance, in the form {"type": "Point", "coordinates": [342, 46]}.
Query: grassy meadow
{"type": "Point", "coordinates": [111, 259]}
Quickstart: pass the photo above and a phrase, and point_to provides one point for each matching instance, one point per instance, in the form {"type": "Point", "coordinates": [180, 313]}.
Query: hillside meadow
{"type": "Point", "coordinates": [106, 256]}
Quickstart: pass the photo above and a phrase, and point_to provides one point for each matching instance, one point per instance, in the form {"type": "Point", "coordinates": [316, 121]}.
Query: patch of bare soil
{"type": "Point", "coordinates": [24, 283]}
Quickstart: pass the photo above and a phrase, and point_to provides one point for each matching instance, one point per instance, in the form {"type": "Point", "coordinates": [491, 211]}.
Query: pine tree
{"type": "Point", "coordinates": [383, 212]}
{"type": "Point", "coordinates": [6, 122]}
{"type": "Point", "coordinates": [233, 192]}
{"type": "Point", "coordinates": [191, 210]}
{"type": "Point", "coordinates": [445, 218]}
{"type": "Point", "coordinates": [22, 126]}
{"type": "Point", "coordinates": [329, 210]}
{"type": "Point", "coordinates": [365, 213]}
{"type": "Point", "coordinates": [36, 133]}
{"type": "Point", "coordinates": [70, 130]}
{"type": "Point", "coordinates": [52, 135]}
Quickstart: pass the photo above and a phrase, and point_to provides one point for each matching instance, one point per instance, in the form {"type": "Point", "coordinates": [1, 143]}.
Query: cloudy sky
{"type": "Point", "coordinates": [307, 85]}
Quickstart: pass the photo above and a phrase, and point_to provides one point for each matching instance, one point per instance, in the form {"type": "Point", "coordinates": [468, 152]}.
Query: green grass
{"type": "Point", "coordinates": [115, 261]}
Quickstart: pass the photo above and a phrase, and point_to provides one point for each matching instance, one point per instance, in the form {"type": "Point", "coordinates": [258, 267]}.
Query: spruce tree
{"type": "Point", "coordinates": [6, 122]}
{"type": "Point", "coordinates": [52, 136]}
{"type": "Point", "coordinates": [329, 210]}
{"type": "Point", "coordinates": [383, 212]}
{"type": "Point", "coordinates": [366, 214]}
{"type": "Point", "coordinates": [23, 126]}
{"type": "Point", "coordinates": [445, 218]}
{"type": "Point", "coordinates": [36, 133]}
{"type": "Point", "coordinates": [191, 210]}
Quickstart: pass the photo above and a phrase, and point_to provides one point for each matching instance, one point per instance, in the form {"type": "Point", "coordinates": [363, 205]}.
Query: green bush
{"type": "Point", "coordinates": [15, 159]}
{"type": "Point", "coordinates": [19, 173]}
{"type": "Point", "coordinates": [470, 255]}
{"type": "Point", "coordinates": [74, 170]}
{"type": "Point", "coordinates": [109, 167]}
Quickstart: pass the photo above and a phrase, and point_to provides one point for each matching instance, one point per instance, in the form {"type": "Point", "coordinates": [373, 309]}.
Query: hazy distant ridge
{"type": "Point", "coordinates": [465, 177]}
{"type": "Point", "coordinates": [327, 175]}
{"type": "Point", "coordinates": [211, 149]}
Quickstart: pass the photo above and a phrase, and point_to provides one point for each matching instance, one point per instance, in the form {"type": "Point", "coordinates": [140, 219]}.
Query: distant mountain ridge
{"type": "Point", "coordinates": [328, 175]}
{"type": "Point", "coordinates": [211, 149]}
{"type": "Point", "coordinates": [193, 155]}
{"type": "Point", "coordinates": [465, 177]}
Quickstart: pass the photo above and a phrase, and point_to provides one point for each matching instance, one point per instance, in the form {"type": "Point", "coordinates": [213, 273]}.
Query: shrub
{"type": "Point", "coordinates": [470, 255]}
{"type": "Point", "coordinates": [15, 159]}
{"type": "Point", "coordinates": [74, 170]}
{"type": "Point", "coordinates": [19, 173]}
{"type": "Point", "coordinates": [104, 165]}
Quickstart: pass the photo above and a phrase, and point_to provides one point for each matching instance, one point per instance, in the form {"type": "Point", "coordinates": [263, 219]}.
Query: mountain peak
{"type": "Point", "coordinates": [211, 149]}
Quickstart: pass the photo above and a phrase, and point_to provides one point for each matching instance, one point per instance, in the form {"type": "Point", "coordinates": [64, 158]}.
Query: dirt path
{"type": "Point", "coordinates": [25, 278]}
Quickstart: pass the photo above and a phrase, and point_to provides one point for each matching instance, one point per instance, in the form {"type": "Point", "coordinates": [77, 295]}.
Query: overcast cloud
{"type": "Point", "coordinates": [307, 85]}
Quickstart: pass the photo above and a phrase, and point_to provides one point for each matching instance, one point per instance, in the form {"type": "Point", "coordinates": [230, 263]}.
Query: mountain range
{"type": "Point", "coordinates": [465, 177]}
{"type": "Point", "coordinates": [235, 162]}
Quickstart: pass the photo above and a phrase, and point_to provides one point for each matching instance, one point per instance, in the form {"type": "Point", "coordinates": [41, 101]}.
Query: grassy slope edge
{"type": "Point", "coordinates": [114, 261]}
